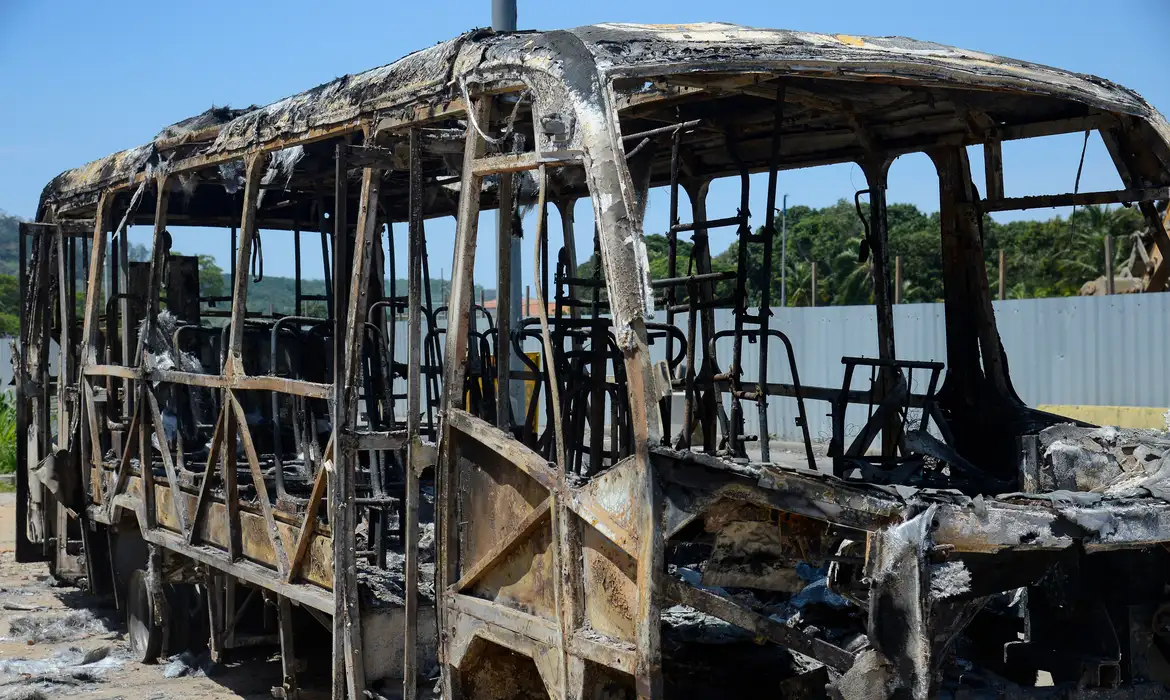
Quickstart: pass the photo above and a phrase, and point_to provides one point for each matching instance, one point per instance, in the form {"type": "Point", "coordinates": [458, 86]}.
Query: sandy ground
{"type": "Point", "coordinates": [57, 641]}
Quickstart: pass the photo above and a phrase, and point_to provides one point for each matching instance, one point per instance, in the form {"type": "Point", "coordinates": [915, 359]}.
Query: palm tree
{"type": "Point", "coordinates": [799, 282]}
{"type": "Point", "coordinates": [852, 279]}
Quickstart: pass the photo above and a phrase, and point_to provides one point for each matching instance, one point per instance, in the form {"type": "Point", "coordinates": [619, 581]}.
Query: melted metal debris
{"type": "Point", "coordinates": [1112, 462]}
{"type": "Point", "coordinates": [280, 168]}
{"type": "Point", "coordinates": [690, 625]}
{"type": "Point", "coordinates": [387, 587]}
{"type": "Point", "coordinates": [160, 352]}
{"type": "Point", "coordinates": [949, 579]}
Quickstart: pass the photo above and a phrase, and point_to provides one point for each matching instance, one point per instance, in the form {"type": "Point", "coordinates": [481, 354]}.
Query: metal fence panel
{"type": "Point", "coordinates": [1102, 351]}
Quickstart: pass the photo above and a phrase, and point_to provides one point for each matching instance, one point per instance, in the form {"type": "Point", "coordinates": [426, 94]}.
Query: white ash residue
{"type": "Point", "coordinates": [189, 664]}
{"type": "Point", "coordinates": [949, 579]}
{"type": "Point", "coordinates": [71, 671]}
{"type": "Point", "coordinates": [38, 628]}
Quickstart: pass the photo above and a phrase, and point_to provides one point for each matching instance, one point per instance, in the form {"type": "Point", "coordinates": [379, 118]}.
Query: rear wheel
{"type": "Point", "coordinates": [145, 635]}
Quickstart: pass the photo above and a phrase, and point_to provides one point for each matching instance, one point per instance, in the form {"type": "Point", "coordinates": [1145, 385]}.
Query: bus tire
{"type": "Point", "coordinates": [145, 635]}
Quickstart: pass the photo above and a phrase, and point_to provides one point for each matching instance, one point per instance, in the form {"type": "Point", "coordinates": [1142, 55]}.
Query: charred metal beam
{"type": "Point", "coordinates": [1074, 199]}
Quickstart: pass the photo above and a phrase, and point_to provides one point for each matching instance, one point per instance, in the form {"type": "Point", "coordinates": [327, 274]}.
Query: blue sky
{"type": "Point", "coordinates": [85, 79]}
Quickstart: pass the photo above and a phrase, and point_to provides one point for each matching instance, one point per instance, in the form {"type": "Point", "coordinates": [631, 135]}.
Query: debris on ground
{"type": "Point", "coordinates": [71, 668]}
{"type": "Point", "coordinates": [42, 627]}
{"type": "Point", "coordinates": [189, 663]}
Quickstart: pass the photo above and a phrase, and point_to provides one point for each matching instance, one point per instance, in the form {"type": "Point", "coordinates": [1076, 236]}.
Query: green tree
{"type": "Point", "coordinates": [211, 277]}
{"type": "Point", "coordinates": [9, 306]}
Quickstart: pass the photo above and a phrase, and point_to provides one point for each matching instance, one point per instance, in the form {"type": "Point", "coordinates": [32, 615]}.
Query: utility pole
{"type": "Point", "coordinates": [504, 15]}
{"type": "Point", "coordinates": [898, 279]}
{"type": "Point", "coordinates": [813, 298]}
{"type": "Point", "coordinates": [1002, 274]}
{"type": "Point", "coordinates": [784, 251]}
{"type": "Point", "coordinates": [1109, 264]}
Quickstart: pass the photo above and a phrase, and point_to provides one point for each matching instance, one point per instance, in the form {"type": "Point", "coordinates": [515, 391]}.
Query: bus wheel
{"type": "Point", "coordinates": [145, 635]}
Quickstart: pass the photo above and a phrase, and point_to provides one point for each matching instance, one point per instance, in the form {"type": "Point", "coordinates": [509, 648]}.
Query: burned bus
{"type": "Point", "coordinates": [486, 503]}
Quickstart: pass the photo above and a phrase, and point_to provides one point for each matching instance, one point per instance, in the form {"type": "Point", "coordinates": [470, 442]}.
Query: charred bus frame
{"type": "Point", "coordinates": [552, 535]}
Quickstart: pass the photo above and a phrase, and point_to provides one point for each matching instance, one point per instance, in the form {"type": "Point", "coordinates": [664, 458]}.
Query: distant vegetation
{"type": "Point", "coordinates": [1045, 258]}
{"type": "Point", "coordinates": [7, 432]}
{"type": "Point", "coordinates": [1049, 258]}
{"type": "Point", "coordinates": [9, 270]}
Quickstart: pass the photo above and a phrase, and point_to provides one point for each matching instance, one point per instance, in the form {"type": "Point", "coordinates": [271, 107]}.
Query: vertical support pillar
{"type": "Point", "coordinates": [504, 273]}
{"type": "Point", "coordinates": [899, 612]}
{"type": "Point", "coordinates": [413, 415]}
{"type": "Point", "coordinates": [876, 170]}
{"type": "Point", "coordinates": [26, 550]}
{"type": "Point", "coordinates": [766, 280]}
{"type": "Point", "coordinates": [711, 411]}
{"type": "Point", "coordinates": [565, 207]}
{"type": "Point", "coordinates": [288, 655]}
{"type": "Point", "coordinates": [743, 234]}
{"type": "Point", "coordinates": [160, 249]}
{"type": "Point", "coordinates": [233, 361]}
{"type": "Point", "coordinates": [447, 536]}
{"type": "Point", "coordinates": [65, 349]}
{"type": "Point", "coordinates": [347, 615]}
{"type": "Point", "coordinates": [124, 307]}
{"type": "Point", "coordinates": [297, 304]}
{"type": "Point", "coordinates": [336, 492]}
{"type": "Point", "coordinates": [973, 347]}
{"type": "Point", "coordinates": [651, 557]}
{"type": "Point", "coordinates": [93, 287]}
{"type": "Point", "coordinates": [215, 616]}
{"type": "Point", "coordinates": [993, 164]}
{"type": "Point", "coordinates": [148, 305]}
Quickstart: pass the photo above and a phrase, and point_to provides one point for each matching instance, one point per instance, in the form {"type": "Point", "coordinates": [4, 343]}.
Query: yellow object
{"type": "Point", "coordinates": [1121, 416]}
{"type": "Point", "coordinates": [528, 387]}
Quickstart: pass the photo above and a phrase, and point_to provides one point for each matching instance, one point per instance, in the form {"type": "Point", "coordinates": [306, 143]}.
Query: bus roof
{"type": "Point", "coordinates": [427, 80]}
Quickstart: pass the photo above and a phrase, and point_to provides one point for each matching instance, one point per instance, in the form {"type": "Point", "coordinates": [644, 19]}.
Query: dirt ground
{"type": "Point", "coordinates": [58, 641]}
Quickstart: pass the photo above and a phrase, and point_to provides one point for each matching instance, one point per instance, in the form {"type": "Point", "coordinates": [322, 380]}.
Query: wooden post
{"type": "Point", "coordinates": [1002, 274]}
{"type": "Point", "coordinates": [898, 279]}
{"type": "Point", "coordinates": [813, 298]}
{"type": "Point", "coordinates": [1108, 265]}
